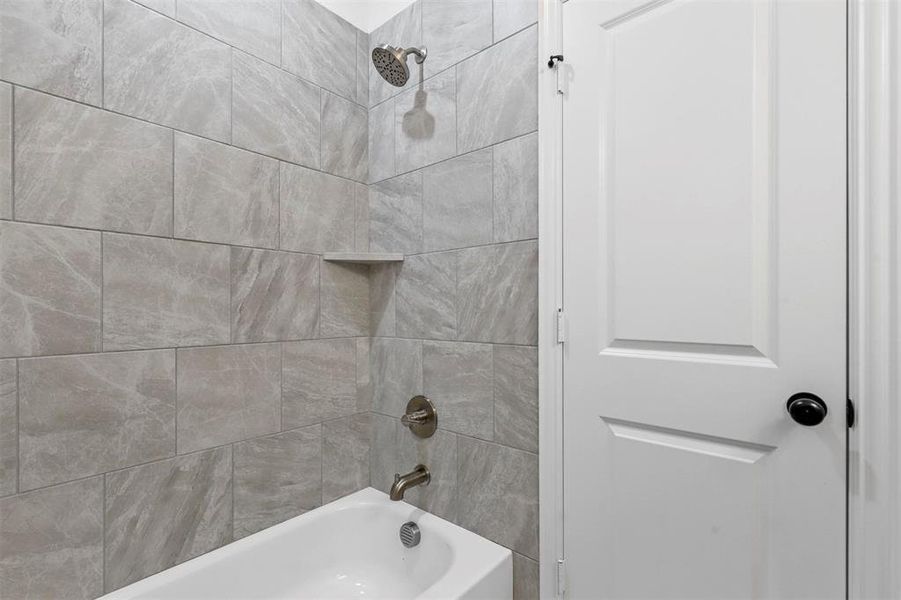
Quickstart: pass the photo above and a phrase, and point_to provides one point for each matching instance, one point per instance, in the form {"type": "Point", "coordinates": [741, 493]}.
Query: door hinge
{"type": "Point", "coordinates": [850, 414]}
{"type": "Point", "coordinates": [561, 578]}
{"type": "Point", "coordinates": [561, 326]}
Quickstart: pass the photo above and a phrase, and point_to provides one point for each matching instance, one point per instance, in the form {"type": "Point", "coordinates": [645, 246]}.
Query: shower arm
{"type": "Point", "coordinates": [419, 54]}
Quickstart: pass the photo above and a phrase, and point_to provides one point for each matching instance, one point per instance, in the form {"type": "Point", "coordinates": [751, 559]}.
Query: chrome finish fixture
{"type": "Point", "coordinates": [420, 417]}
{"type": "Point", "coordinates": [418, 476]}
{"type": "Point", "coordinates": [391, 62]}
{"type": "Point", "coordinates": [409, 534]}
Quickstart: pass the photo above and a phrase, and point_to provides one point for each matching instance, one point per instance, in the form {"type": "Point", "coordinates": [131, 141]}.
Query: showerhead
{"type": "Point", "coordinates": [391, 62]}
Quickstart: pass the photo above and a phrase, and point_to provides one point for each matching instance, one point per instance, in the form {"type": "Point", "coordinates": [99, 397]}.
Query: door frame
{"type": "Point", "coordinates": [874, 299]}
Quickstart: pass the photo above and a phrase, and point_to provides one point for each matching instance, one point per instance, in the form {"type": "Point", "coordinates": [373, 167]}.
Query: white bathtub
{"type": "Point", "coordinates": [349, 548]}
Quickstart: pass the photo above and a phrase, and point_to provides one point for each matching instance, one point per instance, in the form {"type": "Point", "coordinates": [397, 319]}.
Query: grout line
{"type": "Point", "coordinates": [278, 202]}
{"type": "Point", "coordinates": [450, 158]}
{"type": "Point", "coordinates": [456, 258]}
{"type": "Point", "coordinates": [197, 347]}
{"type": "Point", "coordinates": [319, 323]}
{"type": "Point", "coordinates": [12, 151]}
{"type": "Point", "coordinates": [493, 8]}
{"type": "Point", "coordinates": [322, 100]}
{"type": "Point", "coordinates": [493, 392]}
{"type": "Point", "coordinates": [102, 286]}
{"type": "Point", "coordinates": [18, 433]}
{"type": "Point", "coordinates": [231, 308]}
{"type": "Point", "coordinates": [231, 99]}
{"type": "Point", "coordinates": [177, 403]}
{"type": "Point", "coordinates": [281, 387]}
{"type": "Point", "coordinates": [233, 486]}
{"type": "Point", "coordinates": [165, 238]}
{"type": "Point", "coordinates": [103, 541]}
{"type": "Point", "coordinates": [209, 35]}
{"type": "Point", "coordinates": [493, 191]}
{"type": "Point", "coordinates": [281, 33]}
{"type": "Point", "coordinates": [172, 231]}
{"type": "Point", "coordinates": [176, 129]}
{"type": "Point", "coordinates": [102, 53]}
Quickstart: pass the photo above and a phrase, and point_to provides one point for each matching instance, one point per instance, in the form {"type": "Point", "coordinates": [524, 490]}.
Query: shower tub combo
{"type": "Point", "coordinates": [350, 548]}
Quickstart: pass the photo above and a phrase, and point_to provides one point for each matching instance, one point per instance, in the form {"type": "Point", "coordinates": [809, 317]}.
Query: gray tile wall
{"type": "Point", "coordinates": [177, 363]}
{"type": "Point", "coordinates": [454, 186]}
{"type": "Point", "coordinates": [169, 277]}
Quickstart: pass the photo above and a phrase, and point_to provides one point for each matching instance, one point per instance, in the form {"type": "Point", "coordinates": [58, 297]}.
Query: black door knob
{"type": "Point", "coordinates": [807, 409]}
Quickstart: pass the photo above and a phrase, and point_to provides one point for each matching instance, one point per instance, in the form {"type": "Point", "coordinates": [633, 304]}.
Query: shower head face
{"type": "Point", "coordinates": [391, 63]}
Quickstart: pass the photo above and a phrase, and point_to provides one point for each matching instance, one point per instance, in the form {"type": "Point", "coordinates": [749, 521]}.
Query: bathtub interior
{"type": "Point", "coordinates": [354, 551]}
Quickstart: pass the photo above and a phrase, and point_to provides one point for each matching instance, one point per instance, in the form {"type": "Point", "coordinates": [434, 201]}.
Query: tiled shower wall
{"type": "Point", "coordinates": [178, 366]}
{"type": "Point", "coordinates": [454, 172]}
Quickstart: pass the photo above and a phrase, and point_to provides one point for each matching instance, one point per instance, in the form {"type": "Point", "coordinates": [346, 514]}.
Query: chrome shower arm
{"type": "Point", "coordinates": [418, 53]}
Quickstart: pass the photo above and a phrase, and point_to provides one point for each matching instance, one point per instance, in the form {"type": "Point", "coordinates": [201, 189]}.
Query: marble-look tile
{"type": "Point", "coordinates": [274, 295]}
{"type": "Point", "coordinates": [345, 300]}
{"type": "Point", "coordinates": [49, 290]}
{"type": "Point", "coordinates": [9, 428]}
{"type": "Point", "coordinates": [458, 379]}
{"type": "Point", "coordinates": [497, 293]}
{"type": "Point", "coordinates": [425, 123]}
{"type": "Point", "coordinates": [345, 144]}
{"type": "Point", "coordinates": [160, 293]}
{"type": "Point", "coordinates": [164, 513]}
{"type": "Point", "coordinates": [439, 454]}
{"type": "Point", "coordinates": [225, 195]}
{"type": "Point", "coordinates": [516, 189]}
{"type": "Point", "coordinates": [525, 576]}
{"type": "Point", "coordinates": [6, 151]}
{"type": "Point", "coordinates": [320, 46]}
{"type": "Point", "coordinates": [319, 381]}
{"type": "Point", "coordinates": [395, 214]}
{"type": "Point", "coordinates": [53, 542]}
{"type": "Point", "coordinates": [401, 31]}
{"type": "Point", "coordinates": [497, 492]}
{"type": "Point", "coordinates": [109, 172]}
{"type": "Point", "coordinates": [345, 455]}
{"type": "Point", "coordinates": [53, 46]}
{"type": "Point", "coordinates": [383, 453]}
{"type": "Point", "coordinates": [274, 112]}
{"type": "Point", "coordinates": [317, 211]}
{"type": "Point", "coordinates": [89, 414]}
{"type": "Point", "coordinates": [426, 296]}
{"type": "Point", "coordinates": [364, 375]}
{"type": "Point", "coordinates": [361, 217]}
{"type": "Point", "coordinates": [516, 397]}
{"type": "Point", "coordinates": [382, 299]}
{"type": "Point", "coordinates": [167, 7]}
{"type": "Point", "coordinates": [381, 141]}
{"type": "Point", "coordinates": [453, 30]}
{"type": "Point", "coordinates": [362, 68]}
{"type": "Point", "coordinates": [251, 25]}
{"type": "Point", "coordinates": [164, 72]}
{"type": "Point", "coordinates": [396, 374]}
{"type": "Point", "coordinates": [227, 394]}
{"type": "Point", "coordinates": [492, 108]}
{"type": "Point", "coordinates": [512, 15]}
{"type": "Point", "coordinates": [456, 202]}
{"type": "Point", "coordinates": [277, 478]}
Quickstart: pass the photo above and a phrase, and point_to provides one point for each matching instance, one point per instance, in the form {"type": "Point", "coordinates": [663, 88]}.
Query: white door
{"type": "Point", "coordinates": [704, 285]}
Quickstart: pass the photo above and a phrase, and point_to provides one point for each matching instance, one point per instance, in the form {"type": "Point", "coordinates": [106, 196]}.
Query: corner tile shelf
{"type": "Point", "coordinates": [363, 258]}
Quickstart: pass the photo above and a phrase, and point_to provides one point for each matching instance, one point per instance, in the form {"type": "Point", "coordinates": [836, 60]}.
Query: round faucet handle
{"type": "Point", "coordinates": [420, 417]}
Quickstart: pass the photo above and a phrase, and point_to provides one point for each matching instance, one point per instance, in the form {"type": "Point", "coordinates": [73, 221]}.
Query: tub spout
{"type": "Point", "coordinates": [418, 476]}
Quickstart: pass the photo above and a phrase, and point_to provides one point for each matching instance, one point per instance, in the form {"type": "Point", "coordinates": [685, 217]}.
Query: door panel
{"type": "Point", "coordinates": [704, 284]}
